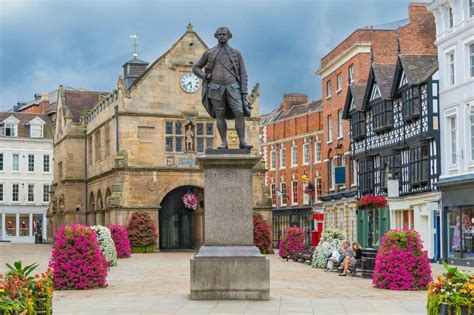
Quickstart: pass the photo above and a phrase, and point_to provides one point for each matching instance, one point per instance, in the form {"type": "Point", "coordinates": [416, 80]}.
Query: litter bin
{"type": "Point", "coordinates": [367, 263]}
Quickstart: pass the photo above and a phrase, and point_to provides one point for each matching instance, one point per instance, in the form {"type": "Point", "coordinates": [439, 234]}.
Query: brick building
{"type": "Point", "coordinates": [290, 138]}
{"type": "Point", "coordinates": [348, 63]}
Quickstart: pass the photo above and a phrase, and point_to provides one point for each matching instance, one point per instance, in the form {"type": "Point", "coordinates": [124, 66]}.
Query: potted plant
{"type": "Point", "coordinates": [291, 243]}
{"type": "Point", "coordinates": [331, 239]}
{"type": "Point", "coordinates": [107, 245]}
{"type": "Point", "coordinates": [21, 293]}
{"type": "Point", "coordinates": [451, 293]}
{"type": "Point", "coordinates": [262, 233]}
{"type": "Point", "coordinates": [142, 233]}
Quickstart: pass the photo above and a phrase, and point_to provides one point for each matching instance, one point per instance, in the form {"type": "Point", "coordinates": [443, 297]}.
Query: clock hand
{"type": "Point", "coordinates": [189, 84]}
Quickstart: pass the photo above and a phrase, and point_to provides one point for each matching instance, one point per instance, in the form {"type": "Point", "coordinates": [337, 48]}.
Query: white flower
{"type": "Point", "coordinates": [331, 239]}
{"type": "Point", "coordinates": [107, 245]}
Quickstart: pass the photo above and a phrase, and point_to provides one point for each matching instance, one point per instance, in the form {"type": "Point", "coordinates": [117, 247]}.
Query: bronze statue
{"type": "Point", "coordinates": [224, 90]}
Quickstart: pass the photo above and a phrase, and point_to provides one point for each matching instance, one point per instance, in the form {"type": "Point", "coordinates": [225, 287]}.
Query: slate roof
{"type": "Point", "coordinates": [24, 119]}
{"type": "Point", "coordinates": [357, 92]}
{"type": "Point", "coordinates": [277, 114]}
{"type": "Point", "coordinates": [418, 68]}
{"type": "Point", "coordinates": [384, 75]}
{"type": "Point", "coordinates": [79, 101]}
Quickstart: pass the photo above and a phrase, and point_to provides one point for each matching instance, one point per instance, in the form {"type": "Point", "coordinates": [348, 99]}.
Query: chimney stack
{"type": "Point", "coordinates": [291, 99]}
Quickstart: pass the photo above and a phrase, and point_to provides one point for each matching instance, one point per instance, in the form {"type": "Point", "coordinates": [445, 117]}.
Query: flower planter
{"type": "Point", "coordinates": [41, 306]}
{"type": "Point", "coordinates": [446, 309]}
{"type": "Point", "coordinates": [143, 249]}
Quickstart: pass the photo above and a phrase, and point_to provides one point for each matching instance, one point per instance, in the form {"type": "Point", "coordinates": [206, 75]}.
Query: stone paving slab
{"type": "Point", "coordinates": [159, 283]}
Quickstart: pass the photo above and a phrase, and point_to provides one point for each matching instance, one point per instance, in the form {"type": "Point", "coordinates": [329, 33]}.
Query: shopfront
{"type": "Point", "coordinates": [24, 226]}
{"type": "Point", "coordinates": [458, 222]}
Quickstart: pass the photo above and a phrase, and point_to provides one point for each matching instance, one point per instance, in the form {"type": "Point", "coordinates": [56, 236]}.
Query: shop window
{"type": "Point", "coordinates": [10, 224]}
{"type": "Point", "coordinates": [38, 224]}
{"type": "Point", "coordinates": [461, 231]}
{"type": "Point", "coordinates": [24, 225]}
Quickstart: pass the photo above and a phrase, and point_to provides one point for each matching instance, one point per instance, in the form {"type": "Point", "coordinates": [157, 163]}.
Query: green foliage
{"type": "Point", "coordinates": [19, 270]}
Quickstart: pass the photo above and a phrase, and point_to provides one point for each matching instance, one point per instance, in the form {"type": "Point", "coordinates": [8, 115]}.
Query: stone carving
{"type": "Point", "coordinates": [189, 137]}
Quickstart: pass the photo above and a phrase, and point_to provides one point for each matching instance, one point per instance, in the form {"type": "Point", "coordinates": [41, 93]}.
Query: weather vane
{"type": "Point", "coordinates": [134, 45]}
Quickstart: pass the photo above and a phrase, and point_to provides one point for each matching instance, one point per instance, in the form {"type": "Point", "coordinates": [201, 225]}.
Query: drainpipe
{"type": "Point", "coordinates": [84, 132]}
{"type": "Point", "coordinates": [117, 144]}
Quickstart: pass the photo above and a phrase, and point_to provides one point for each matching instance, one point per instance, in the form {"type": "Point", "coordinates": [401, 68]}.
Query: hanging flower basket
{"type": "Point", "coordinates": [190, 200]}
{"type": "Point", "coordinates": [371, 202]}
{"type": "Point", "coordinates": [309, 189]}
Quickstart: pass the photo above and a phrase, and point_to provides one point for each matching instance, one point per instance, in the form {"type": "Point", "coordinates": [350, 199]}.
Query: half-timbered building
{"type": "Point", "coordinates": [395, 145]}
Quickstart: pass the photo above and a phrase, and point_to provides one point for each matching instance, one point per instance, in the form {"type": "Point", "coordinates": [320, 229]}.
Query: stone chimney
{"type": "Point", "coordinates": [291, 99]}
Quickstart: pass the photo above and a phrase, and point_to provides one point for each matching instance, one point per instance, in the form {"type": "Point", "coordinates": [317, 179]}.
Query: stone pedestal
{"type": "Point", "coordinates": [229, 266]}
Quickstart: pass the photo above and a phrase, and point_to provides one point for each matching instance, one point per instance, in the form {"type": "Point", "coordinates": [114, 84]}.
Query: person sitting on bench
{"type": "Point", "coordinates": [351, 259]}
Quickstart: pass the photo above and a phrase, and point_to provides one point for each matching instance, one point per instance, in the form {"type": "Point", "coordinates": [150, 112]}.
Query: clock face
{"type": "Point", "coordinates": [189, 82]}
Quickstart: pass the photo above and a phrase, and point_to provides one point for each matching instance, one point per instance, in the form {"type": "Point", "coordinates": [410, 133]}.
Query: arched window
{"type": "Point", "coordinates": [91, 201]}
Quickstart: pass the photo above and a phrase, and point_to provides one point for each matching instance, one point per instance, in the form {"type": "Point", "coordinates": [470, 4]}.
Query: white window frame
{"type": "Point", "coordinates": [450, 67]}
{"type": "Point", "coordinates": [12, 192]}
{"type": "Point", "coordinates": [470, 9]}
{"type": "Point", "coordinates": [34, 163]}
{"type": "Point", "coordinates": [17, 164]}
{"type": "Point", "coordinates": [293, 192]}
{"type": "Point", "coordinates": [450, 19]}
{"type": "Point", "coordinates": [272, 159]}
{"type": "Point", "coordinates": [32, 193]}
{"type": "Point", "coordinates": [350, 77]}
{"type": "Point", "coordinates": [354, 173]}
{"type": "Point", "coordinates": [306, 196]}
{"type": "Point", "coordinates": [449, 140]}
{"type": "Point", "coordinates": [36, 131]}
{"type": "Point", "coordinates": [340, 125]}
{"type": "Point", "coordinates": [283, 158]}
{"type": "Point", "coordinates": [328, 89]}
{"type": "Point", "coordinates": [283, 193]}
{"type": "Point", "coordinates": [294, 155]}
{"type": "Point", "coordinates": [339, 83]}
{"type": "Point", "coordinates": [333, 173]}
{"type": "Point", "coordinates": [330, 128]}
{"type": "Point", "coordinates": [305, 153]}
{"type": "Point", "coordinates": [471, 125]}
{"type": "Point", "coordinates": [470, 59]}
{"type": "Point", "coordinates": [317, 152]}
{"type": "Point", "coordinates": [49, 163]}
{"type": "Point", "coordinates": [46, 194]}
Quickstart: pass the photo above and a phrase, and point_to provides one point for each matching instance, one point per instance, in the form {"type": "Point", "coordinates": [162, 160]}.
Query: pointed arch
{"type": "Point", "coordinates": [91, 201]}
{"type": "Point", "coordinates": [108, 195]}
{"type": "Point", "coordinates": [100, 202]}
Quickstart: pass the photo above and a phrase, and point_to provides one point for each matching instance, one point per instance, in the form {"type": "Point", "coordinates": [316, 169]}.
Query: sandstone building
{"type": "Point", "coordinates": [134, 148]}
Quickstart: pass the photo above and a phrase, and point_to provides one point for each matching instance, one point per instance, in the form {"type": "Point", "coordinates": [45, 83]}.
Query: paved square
{"type": "Point", "coordinates": [159, 284]}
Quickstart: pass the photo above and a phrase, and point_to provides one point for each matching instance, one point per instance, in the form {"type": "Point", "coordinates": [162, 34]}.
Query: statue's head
{"type": "Point", "coordinates": [223, 34]}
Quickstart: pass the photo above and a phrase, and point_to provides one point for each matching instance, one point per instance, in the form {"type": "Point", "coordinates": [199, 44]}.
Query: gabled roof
{"type": "Point", "coordinates": [79, 101]}
{"type": "Point", "coordinates": [354, 96]}
{"type": "Point", "coordinates": [24, 119]}
{"type": "Point", "coordinates": [383, 75]}
{"type": "Point", "coordinates": [417, 68]}
{"type": "Point", "coordinates": [188, 31]}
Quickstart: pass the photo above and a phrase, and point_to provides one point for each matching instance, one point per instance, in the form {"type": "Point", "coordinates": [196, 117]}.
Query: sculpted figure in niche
{"type": "Point", "coordinates": [224, 86]}
{"type": "Point", "coordinates": [189, 138]}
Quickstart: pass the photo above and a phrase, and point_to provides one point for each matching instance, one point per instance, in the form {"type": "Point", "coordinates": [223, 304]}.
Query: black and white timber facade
{"type": "Point", "coordinates": [395, 138]}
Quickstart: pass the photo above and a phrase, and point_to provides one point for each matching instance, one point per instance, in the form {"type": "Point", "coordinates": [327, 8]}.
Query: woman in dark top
{"type": "Point", "coordinates": [351, 260]}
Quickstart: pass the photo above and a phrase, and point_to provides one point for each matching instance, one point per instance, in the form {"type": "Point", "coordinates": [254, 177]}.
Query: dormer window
{"type": "Point", "coordinates": [411, 104]}
{"type": "Point", "coordinates": [36, 127]}
{"type": "Point", "coordinates": [375, 93]}
{"type": "Point", "coordinates": [10, 127]}
{"type": "Point", "coordinates": [36, 131]}
{"type": "Point", "coordinates": [10, 130]}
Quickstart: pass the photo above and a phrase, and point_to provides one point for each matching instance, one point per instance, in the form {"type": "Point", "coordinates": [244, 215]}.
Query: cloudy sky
{"type": "Point", "coordinates": [83, 43]}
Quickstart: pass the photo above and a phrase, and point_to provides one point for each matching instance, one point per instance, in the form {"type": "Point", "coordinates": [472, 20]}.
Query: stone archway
{"type": "Point", "coordinates": [180, 227]}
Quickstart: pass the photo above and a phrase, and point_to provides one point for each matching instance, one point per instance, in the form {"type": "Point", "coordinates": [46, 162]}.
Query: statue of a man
{"type": "Point", "coordinates": [224, 86]}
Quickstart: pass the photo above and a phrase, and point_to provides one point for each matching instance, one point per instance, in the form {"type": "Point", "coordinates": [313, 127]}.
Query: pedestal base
{"type": "Point", "coordinates": [230, 273]}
